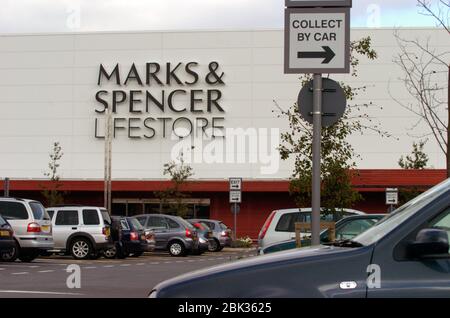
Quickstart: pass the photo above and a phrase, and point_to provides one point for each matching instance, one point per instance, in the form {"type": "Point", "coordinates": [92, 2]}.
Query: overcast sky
{"type": "Point", "coordinates": [108, 15]}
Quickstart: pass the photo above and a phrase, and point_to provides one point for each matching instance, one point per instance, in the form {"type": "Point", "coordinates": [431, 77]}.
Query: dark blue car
{"type": "Point", "coordinates": [129, 237]}
{"type": "Point", "coordinates": [8, 247]}
{"type": "Point", "coordinates": [404, 255]}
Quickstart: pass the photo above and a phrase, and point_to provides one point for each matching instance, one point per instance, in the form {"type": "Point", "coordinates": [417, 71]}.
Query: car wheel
{"type": "Point", "coordinates": [177, 249]}
{"type": "Point", "coordinates": [9, 255]}
{"type": "Point", "coordinates": [80, 248]}
{"type": "Point", "coordinates": [95, 255]}
{"type": "Point", "coordinates": [121, 253]}
{"type": "Point", "coordinates": [110, 253]}
{"type": "Point", "coordinates": [27, 257]}
{"type": "Point", "coordinates": [214, 246]}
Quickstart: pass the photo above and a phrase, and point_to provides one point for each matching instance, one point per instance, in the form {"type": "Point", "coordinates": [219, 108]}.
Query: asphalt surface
{"type": "Point", "coordinates": [131, 277]}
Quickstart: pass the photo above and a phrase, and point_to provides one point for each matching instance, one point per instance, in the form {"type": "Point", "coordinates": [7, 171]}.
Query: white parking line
{"type": "Point", "coordinates": [47, 271]}
{"type": "Point", "coordinates": [124, 265]}
{"type": "Point", "coordinates": [89, 267]}
{"type": "Point", "coordinates": [140, 264]}
{"type": "Point", "coordinates": [2, 269]}
{"type": "Point", "coordinates": [20, 273]}
{"type": "Point", "coordinates": [108, 266]}
{"type": "Point", "coordinates": [35, 292]}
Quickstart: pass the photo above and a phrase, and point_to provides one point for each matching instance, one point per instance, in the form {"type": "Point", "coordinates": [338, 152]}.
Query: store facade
{"type": "Point", "coordinates": [213, 96]}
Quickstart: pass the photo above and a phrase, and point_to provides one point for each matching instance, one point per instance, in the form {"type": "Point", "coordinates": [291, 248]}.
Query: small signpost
{"type": "Point", "coordinates": [334, 102]}
{"type": "Point", "coordinates": [235, 199]}
{"type": "Point", "coordinates": [6, 187]}
{"type": "Point", "coordinates": [391, 198]}
{"type": "Point", "coordinates": [317, 40]}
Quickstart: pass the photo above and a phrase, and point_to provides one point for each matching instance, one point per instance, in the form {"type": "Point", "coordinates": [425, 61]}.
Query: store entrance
{"type": "Point", "coordinates": [196, 208]}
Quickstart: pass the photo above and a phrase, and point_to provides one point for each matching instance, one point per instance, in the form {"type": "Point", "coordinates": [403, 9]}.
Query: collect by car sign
{"type": "Point", "coordinates": [317, 40]}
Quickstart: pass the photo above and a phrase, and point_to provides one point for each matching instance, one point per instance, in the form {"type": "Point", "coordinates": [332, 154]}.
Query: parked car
{"type": "Point", "coordinates": [346, 229]}
{"type": "Point", "coordinates": [8, 246]}
{"type": "Point", "coordinates": [172, 233]}
{"type": "Point", "coordinates": [129, 237]}
{"type": "Point", "coordinates": [31, 225]}
{"type": "Point", "coordinates": [205, 236]}
{"type": "Point", "coordinates": [280, 224]}
{"type": "Point", "coordinates": [81, 231]}
{"type": "Point", "coordinates": [404, 255]}
{"type": "Point", "coordinates": [221, 234]}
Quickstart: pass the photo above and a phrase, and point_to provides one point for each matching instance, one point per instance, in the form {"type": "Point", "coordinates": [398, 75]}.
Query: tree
{"type": "Point", "coordinates": [425, 72]}
{"type": "Point", "coordinates": [51, 193]}
{"type": "Point", "coordinates": [337, 154]}
{"type": "Point", "coordinates": [418, 159]}
{"type": "Point", "coordinates": [171, 199]}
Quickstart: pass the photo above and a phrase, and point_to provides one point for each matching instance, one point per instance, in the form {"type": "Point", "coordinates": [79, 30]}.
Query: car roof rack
{"type": "Point", "coordinates": [14, 198]}
{"type": "Point", "coordinates": [66, 205]}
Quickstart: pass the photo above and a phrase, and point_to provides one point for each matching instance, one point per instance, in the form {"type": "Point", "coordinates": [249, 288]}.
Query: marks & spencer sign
{"type": "Point", "coordinates": [164, 97]}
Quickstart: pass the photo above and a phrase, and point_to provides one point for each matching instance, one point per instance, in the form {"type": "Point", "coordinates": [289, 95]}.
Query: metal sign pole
{"type": "Point", "coordinates": [316, 145]}
{"type": "Point", "coordinates": [108, 146]}
{"type": "Point", "coordinates": [235, 221]}
{"type": "Point", "coordinates": [6, 187]}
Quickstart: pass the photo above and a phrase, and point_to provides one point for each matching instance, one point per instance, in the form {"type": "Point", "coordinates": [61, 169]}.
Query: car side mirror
{"type": "Point", "coordinates": [429, 244]}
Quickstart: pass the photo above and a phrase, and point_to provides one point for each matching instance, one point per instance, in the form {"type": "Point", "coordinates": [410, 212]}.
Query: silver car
{"type": "Point", "coordinates": [31, 224]}
{"type": "Point", "coordinates": [221, 234]}
{"type": "Point", "coordinates": [82, 231]}
{"type": "Point", "coordinates": [172, 233]}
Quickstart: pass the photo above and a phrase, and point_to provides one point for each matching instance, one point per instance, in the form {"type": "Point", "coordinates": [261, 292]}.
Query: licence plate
{"type": "Point", "coordinates": [4, 233]}
{"type": "Point", "coordinates": [45, 228]}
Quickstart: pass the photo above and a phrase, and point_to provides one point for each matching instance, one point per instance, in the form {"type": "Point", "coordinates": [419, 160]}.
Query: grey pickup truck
{"type": "Point", "coordinates": [404, 255]}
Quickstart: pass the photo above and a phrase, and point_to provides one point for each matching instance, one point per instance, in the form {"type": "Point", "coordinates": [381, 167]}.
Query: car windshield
{"type": "Point", "coordinates": [396, 218]}
{"type": "Point", "coordinates": [38, 210]}
{"type": "Point", "coordinates": [223, 226]}
{"type": "Point", "coordinates": [106, 217]}
{"type": "Point", "coordinates": [205, 226]}
{"type": "Point", "coordinates": [135, 224]}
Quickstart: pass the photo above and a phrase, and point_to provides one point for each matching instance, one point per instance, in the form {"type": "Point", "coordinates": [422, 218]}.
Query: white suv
{"type": "Point", "coordinates": [280, 224]}
{"type": "Point", "coordinates": [82, 231]}
{"type": "Point", "coordinates": [31, 224]}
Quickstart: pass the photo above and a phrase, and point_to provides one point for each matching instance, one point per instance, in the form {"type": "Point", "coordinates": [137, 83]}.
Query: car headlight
{"type": "Point", "coordinates": [152, 294]}
{"type": "Point", "coordinates": [202, 240]}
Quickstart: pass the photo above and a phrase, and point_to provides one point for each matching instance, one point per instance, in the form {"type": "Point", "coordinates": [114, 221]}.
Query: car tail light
{"type": "Point", "coordinates": [266, 225]}
{"type": "Point", "coordinates": [224, 233]}
{"type": "Point", "coordinates": [149, 236]}
{"type": "Point", "coordinates": [33, 228]}
{"type": "Point", "coordinates": [188, 233]}
{"type": "Point", "coordinates": [106, 231]}
{"type": "Point", "coordinates": [134, 236]}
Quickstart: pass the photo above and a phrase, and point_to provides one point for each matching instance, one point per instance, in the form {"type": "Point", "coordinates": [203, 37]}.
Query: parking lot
{"type": "Point", "coordinates": [131, 277]}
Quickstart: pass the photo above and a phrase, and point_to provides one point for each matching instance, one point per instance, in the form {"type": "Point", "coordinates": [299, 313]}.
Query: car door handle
{"type": "Point", "coordinates": [74, 228]}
